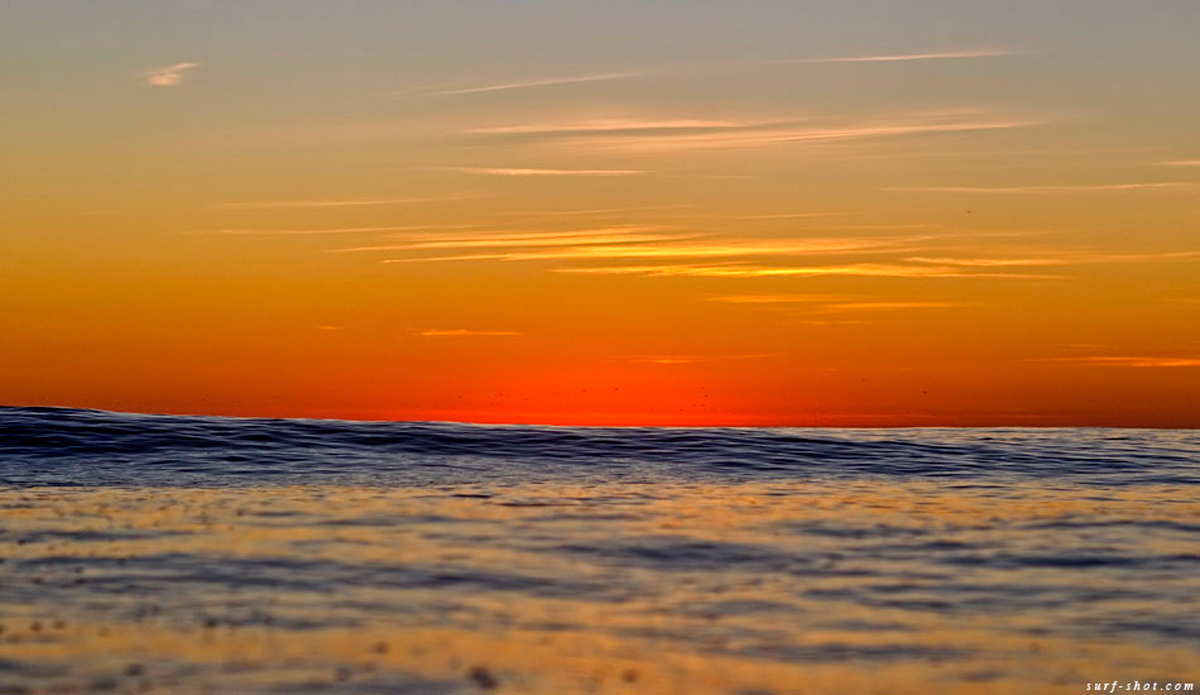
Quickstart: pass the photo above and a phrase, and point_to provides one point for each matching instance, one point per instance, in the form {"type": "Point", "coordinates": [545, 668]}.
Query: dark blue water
{"type": "Point", "coordinates": [57, 446]}
{"type": "Point", "coordinates": [165, 554]}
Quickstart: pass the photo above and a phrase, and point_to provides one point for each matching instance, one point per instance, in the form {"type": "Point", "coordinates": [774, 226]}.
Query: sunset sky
{"type": "Point", "coordinates": [936, 212]}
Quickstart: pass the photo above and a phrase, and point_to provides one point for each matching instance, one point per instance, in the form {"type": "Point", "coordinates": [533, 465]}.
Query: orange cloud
{"type": "Point", "coordinates": [1129, 361]}
{"type": "Point", "coordinates": [681, 134]}
{"type": "Point", "coordinates": [463, 332]}
{"type": "Point", "coordinates": [501, 171]}
{"type": "Point", "coordinates": [1018, 190]}
{"type": "Point", "coordinates": [857, 269]}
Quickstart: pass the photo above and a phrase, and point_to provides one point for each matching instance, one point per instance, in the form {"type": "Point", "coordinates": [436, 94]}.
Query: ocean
{"type": "Point", "coordinates": [171, 554]}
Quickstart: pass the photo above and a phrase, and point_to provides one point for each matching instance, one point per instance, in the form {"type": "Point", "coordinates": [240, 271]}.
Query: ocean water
{"type": "Point", "coordinates": [169, 554]}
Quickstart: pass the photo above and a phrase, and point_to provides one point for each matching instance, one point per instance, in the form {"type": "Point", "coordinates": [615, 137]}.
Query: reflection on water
{"type": "Point", "coordinates": [815, 586]}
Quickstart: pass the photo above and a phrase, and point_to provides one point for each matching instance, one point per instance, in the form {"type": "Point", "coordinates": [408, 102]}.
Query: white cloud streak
{"type": "Point", "coordinates": [904, 57]}
{"type": "Point", "coordinates": [529, 84]}
{"type": "Point", "coordinates": [169, 76]}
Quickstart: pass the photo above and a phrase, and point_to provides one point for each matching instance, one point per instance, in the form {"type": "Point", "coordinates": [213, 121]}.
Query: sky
{"type": "Point", "coordinates": [797, 213]}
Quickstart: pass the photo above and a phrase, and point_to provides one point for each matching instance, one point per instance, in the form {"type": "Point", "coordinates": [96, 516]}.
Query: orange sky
{"type": "Point", "coordinates": [752, 215]}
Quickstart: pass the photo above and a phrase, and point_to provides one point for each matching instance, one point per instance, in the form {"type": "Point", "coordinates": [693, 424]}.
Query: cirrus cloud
{"type": "Point", "coordinates": [169, 76]}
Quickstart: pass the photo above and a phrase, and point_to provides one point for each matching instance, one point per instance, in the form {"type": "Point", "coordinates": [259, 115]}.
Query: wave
{"type": "Point", "coordinates": [63, 446]}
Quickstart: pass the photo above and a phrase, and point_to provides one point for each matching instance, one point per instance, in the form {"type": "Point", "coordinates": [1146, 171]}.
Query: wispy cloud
{"type": "Point", "coordinates": [987, 262]}
{"type": "Point", "coordinates": [759, 271]}
{"type": "Point", "coordinates": [595, 212]}
{"type": "Point", "coordinates": [463, 332]}
{"type": "Point", "coordinates": [169, 76]}
{"type": "Point", "coordinates": [781, 217]}
{"type": "Point", "coordinates": [687, 250]}
{"type": "Point", "coordinates": [341, 230]}
{"type": "Point", "coordinates": [1128, 361]}
{"type": "Point", "coordinates": [687, 359]}
{"type": "Point", "coordinates": [680, 134]}
{"type": "Point", "coordinates": [1017, 190]}
{"type": "Point", "coordinates": [271, 204]}
{"type": "Point", "coordinates": [1069, 257]}
{"type": "Point", "coordinates": [832, 303]}
{"type": "Point", "coordinates": [527, 84]}
{"type": "Point", "coordinates": [594, 126]}
{"type": "Point", "coordinates": [1135, 257]}
{"type": "Point", "coordinates": [781, 298]}
{"type": "Point", "coordinates": [900, 57]}
{"type": "Point", "coordinates": [611, 235]}
{"type": "Point", "coordinates": [889, 306]}
{"type": "Point", "coordinates": [500, 171]}
{"type": "Point", "coordinates": [777, 216]}
{"type": "Point", "coordinates": [1181, 163]}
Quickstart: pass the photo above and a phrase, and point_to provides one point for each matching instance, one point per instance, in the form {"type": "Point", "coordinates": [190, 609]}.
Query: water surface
{"type": "Point", "coordinates": [210, 555]}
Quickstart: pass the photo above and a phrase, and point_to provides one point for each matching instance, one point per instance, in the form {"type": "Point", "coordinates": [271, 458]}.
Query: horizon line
{"type": "Point", "coordinates": [529, 423]}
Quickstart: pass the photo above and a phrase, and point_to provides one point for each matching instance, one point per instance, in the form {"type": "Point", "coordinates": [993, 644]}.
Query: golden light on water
{"type": "Point", "coordinates": [783, 588]}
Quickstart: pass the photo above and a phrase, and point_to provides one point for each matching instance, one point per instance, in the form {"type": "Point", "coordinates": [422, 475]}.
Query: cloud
{"type": "Point", "coordinates": [885, 306]}
{"type": "Point", "coordinates": [611, 126]}
{"type": "Point", "coordinates": [682, 134]}
{"type": "Point", "coordinates": [272, 204]}
{"type": "Point", "coordinates": [833, 303]}
{"type": "Point", "coordinates": [948, 55]}
{"type": "Point", "coordinates": [758, 271]}
{"type": "Point", "coordinates": [685, 250]}
{"type": "Point", "coordinates": [780, 298]}
{"type": "Point", "coordinates": [1181, 163]}
{"type": "Point", "coordinates": [169, 76]}
{"type": "Point", "coordinates": [613, 235]}
{"type": "Point", "coordinates": [341, 230]}
{"type": "Point", "coordinates": [1128, 361]}
{"type": "Point", "coordinates": [598, 212]}
{"type": "Point", "coordinates": [687, 359]}
{"type": "Point", "coordinates": [1017, 190]}
{"type": "Point", "coordinates": [528, 84]}
{"type": "Point", "coordinates": [463, 332]}
{"type": "Point", "coordinates": [987, 262]}
{"type": "Point", "coordinates": [547, 172]}
{"type": "Point", "coordinates": [777, 216]}
{"type": "Point", "coordinates": [1067, 258]}
{"type": "Point", "coordinates": [1135, 257]}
